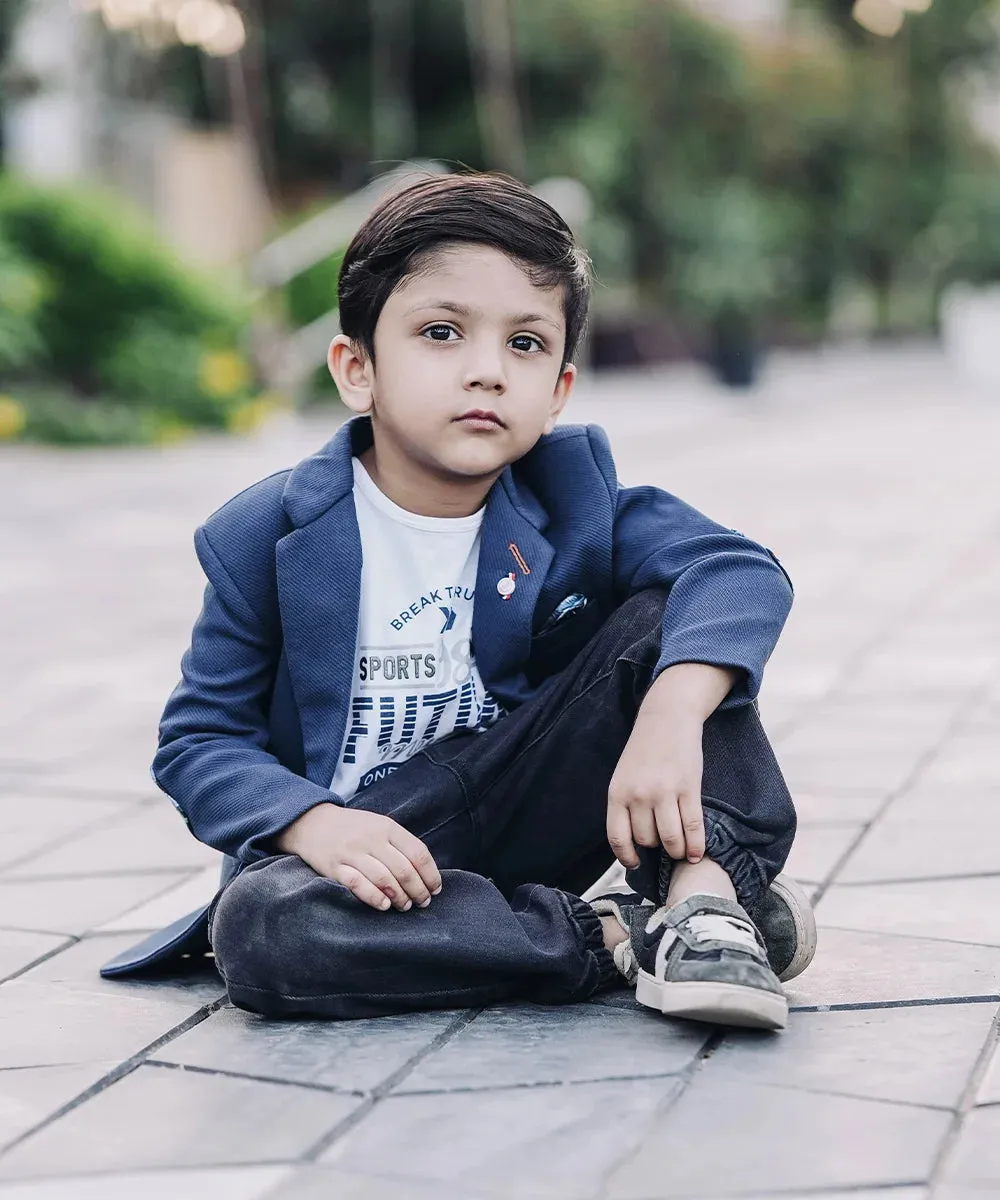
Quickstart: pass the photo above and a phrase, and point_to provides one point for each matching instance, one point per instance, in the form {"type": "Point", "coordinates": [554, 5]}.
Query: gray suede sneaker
{"type": "Point", "coordinates": [705, 960]}
{"type": "Point", "coordinates": [784, 917]}
{"type": "Point", "coordinates": [631, 912]}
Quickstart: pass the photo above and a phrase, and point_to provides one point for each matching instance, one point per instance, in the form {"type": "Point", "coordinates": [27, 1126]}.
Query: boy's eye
{"type": "Point", "coordinates": [440, 333]}
{"type": "Point", "coordinates": [526, 341]}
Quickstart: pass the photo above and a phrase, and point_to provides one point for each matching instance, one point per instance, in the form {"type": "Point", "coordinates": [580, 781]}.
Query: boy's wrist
{"type": "Point", "coordinates": [688, 691]}
{"type": "Point", "coordinates": [290, 839]}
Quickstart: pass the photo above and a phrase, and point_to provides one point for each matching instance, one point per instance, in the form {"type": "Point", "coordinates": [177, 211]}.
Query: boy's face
{"type": "Point", "coordinates": [468, 365]}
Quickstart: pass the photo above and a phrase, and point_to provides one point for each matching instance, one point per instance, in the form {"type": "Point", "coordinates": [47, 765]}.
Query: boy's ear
{"type": "Point", "coordinates": [560, 396]}
{"type": "Point", "coordinates": [352, 372]}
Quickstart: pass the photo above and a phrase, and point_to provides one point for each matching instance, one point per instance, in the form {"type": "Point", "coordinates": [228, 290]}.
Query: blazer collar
{"type": "Point", "coordinates": [323, 479]}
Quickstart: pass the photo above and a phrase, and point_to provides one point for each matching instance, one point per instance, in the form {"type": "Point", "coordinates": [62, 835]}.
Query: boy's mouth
{"type": "Point", "coordinates": [481, 418]}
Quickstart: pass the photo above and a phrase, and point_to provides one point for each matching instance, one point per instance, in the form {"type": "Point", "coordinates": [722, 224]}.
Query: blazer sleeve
{"type": "Point", "coordinates": [728, 597]}
{"type": "Point", "coordinates": [212, 759]}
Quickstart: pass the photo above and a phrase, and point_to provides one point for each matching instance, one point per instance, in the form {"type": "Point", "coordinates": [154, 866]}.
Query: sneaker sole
{"type": "Point", "coordinates": [805, 925]}
{"type": "Point", "coordinates": [714, 1003]}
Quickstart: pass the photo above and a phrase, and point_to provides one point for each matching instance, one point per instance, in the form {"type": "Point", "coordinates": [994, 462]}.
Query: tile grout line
{"type": "Point", "coordinates": [684, 1079]}
{"type": "Point", "coordinates": [798, 1193]}
{"type": "Point", "coordinates": [460, 1022]}
{"type": "Point", "coordinates": [911, 879]}
{"type": "Point", "coordinates": [330, 1089]}
{"type": "Point", "coordinates": [119, 1072]}
{"type": "Point", "coordinates": [911, 937]}
{"type": "Point", "coordinates": [71, 940]}
{"type": "Point", "coordinates": [965, 1106]}
{"type": "Point", "coordinates": [362, 1094]}
{"type": "Point", "coordinates": [869, 1005]}
{"type": "Point", "coordinates": [123, 873]}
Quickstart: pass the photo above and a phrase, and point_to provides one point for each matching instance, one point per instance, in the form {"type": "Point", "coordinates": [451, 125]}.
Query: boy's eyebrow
{"type": "Point", "coordinates": [461, 310]}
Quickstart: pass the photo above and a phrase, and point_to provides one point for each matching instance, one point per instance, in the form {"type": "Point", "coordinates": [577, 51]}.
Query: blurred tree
{"type": "Point", "coordinates": [495, 84]}
{"type": "Point", "coordinates": [905, 132]}
{"type": "Point", "coordinates": [9, 13]}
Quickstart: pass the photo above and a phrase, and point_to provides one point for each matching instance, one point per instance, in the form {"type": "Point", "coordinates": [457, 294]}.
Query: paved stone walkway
{"type": "Point", "coordinates": [876, 481]}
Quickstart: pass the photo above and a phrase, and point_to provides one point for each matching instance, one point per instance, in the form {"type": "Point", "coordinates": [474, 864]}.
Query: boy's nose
{"type": "Point", "coordinates": [485, 373]}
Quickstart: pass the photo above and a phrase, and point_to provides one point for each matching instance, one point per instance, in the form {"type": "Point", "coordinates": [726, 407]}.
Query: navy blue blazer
{"type": "Point", "coordinates": [250, 738]}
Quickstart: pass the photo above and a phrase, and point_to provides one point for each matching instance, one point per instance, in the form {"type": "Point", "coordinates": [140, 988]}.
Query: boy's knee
{"type": "Point", "coordinates": [258, 932]}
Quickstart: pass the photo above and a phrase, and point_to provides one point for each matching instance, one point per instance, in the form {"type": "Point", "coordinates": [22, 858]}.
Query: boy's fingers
{"type": "Point", "coordinates": [417, 853]}
{"type": "Point", "coordinates": [644, 826]}
{"type": "Point", "coordinates": [406, 873]}
{"type": "Point", "coordinates": [385, 881]}
{"type": "Point", "coordinates": [669, 828]}
{"type": "Point", "coordinates": [620, 836]}
{"type": "Point", "coordinates": [693, 821]}
{"type": "Point", "coordinates": [363, 888]}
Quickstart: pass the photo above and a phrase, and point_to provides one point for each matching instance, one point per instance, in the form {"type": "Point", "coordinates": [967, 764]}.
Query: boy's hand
{"type": "Point", "coordinates": [655, 794]}
{"type": "Point", "coordinates": [382, 863]}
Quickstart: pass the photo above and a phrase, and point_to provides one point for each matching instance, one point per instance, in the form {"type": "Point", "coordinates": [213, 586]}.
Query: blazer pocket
{"type": "Point", "coordinates": [561, 638]}
{"type": "Point", "coordinates": [566, 611]}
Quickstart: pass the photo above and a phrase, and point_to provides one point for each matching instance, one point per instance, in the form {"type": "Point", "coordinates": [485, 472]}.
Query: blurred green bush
{"type": "Point", "coordinates": [104, 337]}
{"type": "Point", "coordinates": [309, 296]}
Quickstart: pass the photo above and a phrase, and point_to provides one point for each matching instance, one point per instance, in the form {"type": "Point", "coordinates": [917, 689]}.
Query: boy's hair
{"type": "Point", "coordinates": [481, 209]}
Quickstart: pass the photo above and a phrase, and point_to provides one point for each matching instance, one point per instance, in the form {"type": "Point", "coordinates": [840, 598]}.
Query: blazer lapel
{"type": "Point", "coordinates": [511, 543]}
{"type": "Point", "coordinates": [319, 582]}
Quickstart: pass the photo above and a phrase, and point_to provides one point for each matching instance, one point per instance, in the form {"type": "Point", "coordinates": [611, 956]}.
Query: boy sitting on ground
{"type": "Point", "coordinates": [448, 669]}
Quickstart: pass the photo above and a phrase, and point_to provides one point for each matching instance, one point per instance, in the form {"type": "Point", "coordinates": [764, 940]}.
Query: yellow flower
{"type": "Point", "coordinates": [13, 418]}
{"type": "Point", "coordinates": [168, 431]}
{"type": "Point", "coordinates": [223, 373]}
{"type": "Point", "coordinates": [247, 417]}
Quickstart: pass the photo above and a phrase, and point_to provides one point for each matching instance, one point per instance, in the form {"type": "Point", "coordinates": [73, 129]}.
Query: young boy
{"type": "Point", "coordinates": [447, 670]}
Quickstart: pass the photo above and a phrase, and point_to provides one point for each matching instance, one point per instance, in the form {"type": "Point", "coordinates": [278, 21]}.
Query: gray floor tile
{"type": "Point", "coordinates": [955, 910]}
{"type": "Point", "coordinates": [159, 1116]}
{"type": "Point", "coordinates": [327, 1183]}
{"type": "Point", "coordinates": [830, 809]}
{"type": "Point", "coordinates": [191, 983]}
{"type": "Point", "coordinates": [152, 836]}
{"type": "Point", "coordinates": [859, 968]}
{"type": "Point", "coordinates": [964, 763]}
{"type": "Point", "coordinates": [74, 906]}
{"type": "Point", "coordinates": [29, 1095]}
{"type": "Point", "coordinates": [32, 822]}
{"type": "Point", "coordinates": [220, 1183]}
{"type": "Point", "coordinates": [505, 1047]}
{"type": "Point", "coordinates": [348, 1055]}
{"type": "Point", "coordinates": [900, 848]}
{"type": "Point", "coordinates": [989, 1090]}
{"type": "Point", "coordinates": [719, 1141]}
{"type": "Point", "coordinates": [17, 949]}
{"type": "Point", "coordinates": [967, 806]}
{"type": "Point", "coordinates": [922, 1055]}
{"type": "Point", "coordinates": [975, 1157]}
{"type": "Point", "coordinates": [878, 772]}
{"type": "Point", "coordinates": [817, 849]}
{"type": "Point", "coordinates": [162, 910]}
{"type": "Point", "coordinates": [42, 1025]}
{"type": "Point", "coordinates": [545, 1141]}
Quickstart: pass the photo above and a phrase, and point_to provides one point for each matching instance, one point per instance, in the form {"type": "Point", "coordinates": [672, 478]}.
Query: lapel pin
{"type": "Point", "coordinates": [519, 558]}
{"type": "Point", "coordinates": [506, 586]}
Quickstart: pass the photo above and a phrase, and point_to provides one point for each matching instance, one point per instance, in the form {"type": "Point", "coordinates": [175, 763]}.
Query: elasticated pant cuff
{"type": "Point", "coordinates": [604, 973]}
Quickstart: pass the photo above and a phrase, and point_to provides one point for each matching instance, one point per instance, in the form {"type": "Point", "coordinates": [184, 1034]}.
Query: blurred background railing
{"type": "Point", "coordinates": [181, 177]}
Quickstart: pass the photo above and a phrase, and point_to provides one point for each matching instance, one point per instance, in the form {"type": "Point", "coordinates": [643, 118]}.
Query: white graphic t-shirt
{"type": "Point", "coordinates": [415, 679]}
